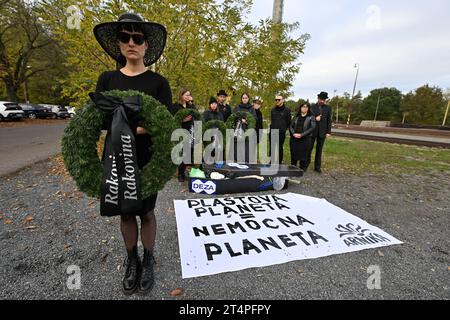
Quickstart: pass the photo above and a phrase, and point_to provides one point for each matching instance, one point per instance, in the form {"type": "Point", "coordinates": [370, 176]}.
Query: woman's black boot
{"type": "Point", "coordinates": [132, 272]}
{"type": "Point", "coordinates": [147, 278]}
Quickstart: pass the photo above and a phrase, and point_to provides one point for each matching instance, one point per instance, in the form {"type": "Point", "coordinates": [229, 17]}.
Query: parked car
{"type": "Point", "coordinates": [33, 111]}
{"type": "Point", "coordinates": [57, 111]}
{"type": "Point", "coordinates": [10, 111]}
{"type": "Point", "coordinates": [71, 111]}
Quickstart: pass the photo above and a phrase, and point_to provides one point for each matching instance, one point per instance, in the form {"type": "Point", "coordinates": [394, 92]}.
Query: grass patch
{"type": "Point", "coordinates": [363, 156]}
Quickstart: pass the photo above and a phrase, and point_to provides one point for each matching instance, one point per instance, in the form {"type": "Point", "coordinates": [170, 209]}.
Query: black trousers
{"type": "Point", "coordinates": [303, 164]}
{"type": "Point", "coordinates": [182, 169]}
{"type": "Point", "coordinates": [282, 136]}
{"type": "Point", "coordinates": [319, 147]}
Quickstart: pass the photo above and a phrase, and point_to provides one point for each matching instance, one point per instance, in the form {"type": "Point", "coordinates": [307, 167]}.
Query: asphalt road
{"type": "Point", "coordinates": [22, 146]}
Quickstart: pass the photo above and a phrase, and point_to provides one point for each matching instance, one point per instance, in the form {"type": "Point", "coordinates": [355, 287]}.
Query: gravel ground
{"type": "Point", "coordinates": [64, 228]}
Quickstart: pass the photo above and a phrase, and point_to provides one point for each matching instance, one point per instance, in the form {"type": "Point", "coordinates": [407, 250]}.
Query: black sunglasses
{"type": "Point", "coordinates": [124, 37]}
{"type": "Point", "coordinates": [277, 100]}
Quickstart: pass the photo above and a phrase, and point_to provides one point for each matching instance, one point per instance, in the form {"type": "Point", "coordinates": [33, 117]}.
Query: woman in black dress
{"type": "Point", "coordinates": [136, 44]}
{"type": "Point", "coordinates": [257, 103]}
{"type": "Point", "coordinates": [301, 129]}
{"type": "Point", "coordinates": [183, 102]}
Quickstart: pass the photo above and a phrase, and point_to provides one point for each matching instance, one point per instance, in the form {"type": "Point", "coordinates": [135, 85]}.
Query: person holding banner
{"type": "Point", "coordinates": [135, 45]}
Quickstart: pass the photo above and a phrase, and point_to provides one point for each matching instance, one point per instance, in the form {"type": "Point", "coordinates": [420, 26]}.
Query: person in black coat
{"type": "Point", "coordinates": [224, 108]}
{"type": "Point", "coordinates": [322, 113]}
{"type": "Point", "coordinates": [184, 98]}
{"type": "Point", "coordinates": [245, 105]}
{"type": "Point", "coordinates": [280, 119]}
{"type": "Point", "coordinates": [257, 103]}
{"type": "Point", "coordinates": [250, 147]}
{"type": "Point", "coordinates": [213, 112]}
{"type": "Point", "coordinates": [302, 126]}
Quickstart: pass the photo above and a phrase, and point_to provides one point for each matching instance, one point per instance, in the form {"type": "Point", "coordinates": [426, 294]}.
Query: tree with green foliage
{"type": "Point", "coordinates": [388, 101]}
{"type": "Point", "coordinates": [209, 46]}
{"type": "Point", "coordinates": [27, 49]}
{"type": "Point", "coordinates": [351, 106]}
{"type": "Point", "coordinates": [425, 106]}
{"type": "Point", "coordinates": [339, 105]}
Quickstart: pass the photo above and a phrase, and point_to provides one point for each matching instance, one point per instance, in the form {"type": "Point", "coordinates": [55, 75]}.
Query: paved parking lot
{"type": "Point", "coordinates": [23, 145]}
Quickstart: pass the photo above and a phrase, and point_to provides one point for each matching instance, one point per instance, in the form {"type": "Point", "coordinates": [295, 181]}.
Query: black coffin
{"type": "Point", "coordinates": [231, 186]}
{"type": "Point", "coordinates": [232, 171]}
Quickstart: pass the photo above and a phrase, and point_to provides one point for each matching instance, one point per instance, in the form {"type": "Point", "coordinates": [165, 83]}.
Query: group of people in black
{"type": "Point", "coordinates": [135, 45]}
{"type": "Point", "coordinates": [309, 125]}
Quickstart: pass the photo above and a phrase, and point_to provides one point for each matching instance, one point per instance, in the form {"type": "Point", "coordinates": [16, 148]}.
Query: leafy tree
{"type": "Point", "coordinates": [426, 105]}
{"type": "Point", "coordinates": [268, 65]}
{"type": "Point", "coordinates": [291, 104]}
{"type": "Point", "coordinates": [339, 106]}
{"type": "Point", "coordinates": [209, 46]}
{"type": "Point", "coordinates": [354, 107]}
{"type": "Point", "coordinates": [388, 101]}
{"type": "Point", "coordinates": [26, 48]}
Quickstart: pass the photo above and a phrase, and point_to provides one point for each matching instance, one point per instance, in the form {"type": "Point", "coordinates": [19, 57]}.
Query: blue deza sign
{"type": "Point", "coordinates": [203, 186]}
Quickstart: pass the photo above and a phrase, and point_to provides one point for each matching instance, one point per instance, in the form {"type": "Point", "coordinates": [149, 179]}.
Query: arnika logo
{"type": "Point", "coordinates": [357, 236]}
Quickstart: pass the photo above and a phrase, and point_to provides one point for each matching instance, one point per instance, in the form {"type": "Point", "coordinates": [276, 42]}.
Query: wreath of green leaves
{"type": "Point", "coordinates": [183, 113]}
{"type": "Point", "coordinates": [231, 122]}
{"type": "Point", "coordinates": [215, 124]}
{"type": "Point", "coordinates": [79, 146]}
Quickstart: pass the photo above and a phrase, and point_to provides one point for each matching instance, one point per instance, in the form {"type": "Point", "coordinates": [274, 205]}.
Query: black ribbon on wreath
{"type": "Point", "coordinates": [120, 184]}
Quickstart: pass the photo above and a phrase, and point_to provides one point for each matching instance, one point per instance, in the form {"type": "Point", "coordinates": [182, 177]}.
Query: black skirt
{"type": "Point", "coordinates": [300, 148]}
{"type": "Point", "coordinates": [148, 204]}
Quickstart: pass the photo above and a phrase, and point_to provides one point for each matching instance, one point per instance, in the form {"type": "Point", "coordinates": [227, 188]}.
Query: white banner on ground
{"type": "Point", "coordinates": [235, 233]}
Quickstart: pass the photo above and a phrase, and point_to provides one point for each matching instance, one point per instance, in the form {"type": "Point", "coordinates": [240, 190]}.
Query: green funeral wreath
{"type": "Point", "coordinates": [183, 113]}
{"type": "Point", "coordinates": [231, 122]}
{"type": "Point", "coordinates": [79, 145]}
{"type": "Point", "coordinates": [215, 124]}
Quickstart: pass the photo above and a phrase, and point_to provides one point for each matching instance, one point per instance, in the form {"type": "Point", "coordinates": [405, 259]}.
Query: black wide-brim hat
{"type": "Point", "coordinates": [154, 33]}
{"type": "Point", "coordinates": [323, 95]}
{"type": "Point", "coordinates": [222, 93]}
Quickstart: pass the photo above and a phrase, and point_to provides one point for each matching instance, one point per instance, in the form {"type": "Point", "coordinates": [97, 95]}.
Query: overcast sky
{"type": "Point", "coordinates": [401, 43]}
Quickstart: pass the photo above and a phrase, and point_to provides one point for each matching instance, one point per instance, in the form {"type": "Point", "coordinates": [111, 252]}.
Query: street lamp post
{"type": "Point", "coordinates": [446, 114]}
{"type": "Point", "coordinates": [353, 94]}
{"type": "Point", "coordinates": [337, 107]}
{"type": "Point", "coordinates": [378, 104]}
